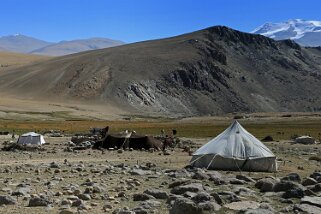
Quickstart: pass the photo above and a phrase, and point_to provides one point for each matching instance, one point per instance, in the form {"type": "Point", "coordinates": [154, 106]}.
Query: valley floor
{"type": "Point", "coordinates": [60, 177]}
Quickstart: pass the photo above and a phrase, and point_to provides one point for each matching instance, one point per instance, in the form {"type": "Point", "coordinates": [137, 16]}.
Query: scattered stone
{"type": "Point", "coordinates": [107, 207]}
{"type": "Point", "coordinates": [179, 183]}
{"type": "Point", "coordinates": [193, 187]}
{"type": "Point", "coordinates": [217, 198]}
{"type": "Point", "coordinates": [229, 197]}
{"type": "Point", "coordinates": [150, 204]}
{"type": "Point", "coordinates": [142, 197]}
{"type": "Point", "coordinates": [259, 211]}
{"type": "Point", "coordinates": [209, 206]}
{"type": "Point", "coordinates": [316, 188]}
{"type": "Point", "coordinates": [315, 201]}
{"type": "Point", "coordinates": [292, 177]}
{"type": "Point", "coordinates": [38, 202]}
{"type": "Point", "coordinates": [184, 206]}
{"type": "Point", "coordinates": [216, 177]}
{"type": "Point", "coordinates": [67, 211]}
{"type": "Point", "coordinates": [266, 184]}
{"type": "Point", "coordinates": [284, 186]}
{"type": "Point", "coordinates": [294, 193]}
{"type": "Point", "coordinates": [242, 205]}
{"type": "Point", "coordinates": [237, 181]}
{"type": "Point", "coordinates": [159, 194]}
{"type": "Point", "coordinates": [245, 178]}
{"type": "Point", "coordinates": [309, 181]}
{"type": "Point", "coordinates": [140, 172]}
{"type": "Point", "coordinates": [77, 203]}
{"type": "Point", "coordinates": [7, 200]}
{"type": "Point", "coordinates": [85, 197]}
{"type": "Point", "coordinates": [200, 175]}
{"type": "Point", "coordinates": [201, 197]}
{"type": "Point", "coordinates": [307, 208]}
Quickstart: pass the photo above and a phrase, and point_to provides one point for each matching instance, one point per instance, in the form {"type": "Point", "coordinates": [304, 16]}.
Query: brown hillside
{"type": "Point", "coordinates": [9, 59]}
{"type": "Point", "coordinates": [212, 71]}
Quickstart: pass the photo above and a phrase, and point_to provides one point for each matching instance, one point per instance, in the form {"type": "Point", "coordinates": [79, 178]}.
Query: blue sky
{"type": "Point", "coordinates": [137, 20]}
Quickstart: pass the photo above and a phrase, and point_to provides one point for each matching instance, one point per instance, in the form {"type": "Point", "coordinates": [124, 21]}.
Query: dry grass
{"type": "Point", "coordinates": [279, 130]}
{"type": "Point", "coordinates": [9, 59]}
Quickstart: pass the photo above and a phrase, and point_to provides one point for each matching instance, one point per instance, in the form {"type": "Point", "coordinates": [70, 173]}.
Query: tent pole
{"type": "Point", "coordinates": [211, 162]}
{"type": "Point", "coordinates": [197, 159]}
{"type": "Point", "coordinates": [237, 166]}
{"type": "Point", "coordinates": [125, 140]}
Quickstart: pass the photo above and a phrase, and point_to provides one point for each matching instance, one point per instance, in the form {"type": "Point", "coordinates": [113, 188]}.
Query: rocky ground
{"type": "Point", "coordinates": [59, 180]}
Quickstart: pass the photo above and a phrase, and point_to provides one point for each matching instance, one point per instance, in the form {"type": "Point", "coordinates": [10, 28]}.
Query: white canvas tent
{"type": "Point", "coordinates": [31, 138]}
{"type": "Point", "coordinates": [235, 149]}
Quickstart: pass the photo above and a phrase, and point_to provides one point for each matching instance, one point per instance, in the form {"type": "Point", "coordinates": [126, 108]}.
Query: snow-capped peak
{"type": "Point", "coordinates": [291, 29]}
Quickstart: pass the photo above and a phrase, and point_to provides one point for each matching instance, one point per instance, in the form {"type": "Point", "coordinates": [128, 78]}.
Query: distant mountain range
{"type": "Point", "coordinates": [306, 33]}
{"type": "Point", "coordinates": [25, 44]}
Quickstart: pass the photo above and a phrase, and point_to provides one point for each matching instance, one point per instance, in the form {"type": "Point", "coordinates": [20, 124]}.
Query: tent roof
{"type": "Point", "coordinates": [33, 134]}
{"type": "Point", "coordinates": [235, 142]}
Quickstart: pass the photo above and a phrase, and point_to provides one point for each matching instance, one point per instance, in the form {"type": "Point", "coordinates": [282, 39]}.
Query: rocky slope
{"type": "Point", "coordinates": [212, 71]}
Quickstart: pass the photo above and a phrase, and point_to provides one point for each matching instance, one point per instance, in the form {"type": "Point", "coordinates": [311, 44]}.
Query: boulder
{"type": "Point", "coordinates": [294, 193]}
{"type": "Point", "coordinates": [316, 176]}
{"type": "Point", "coordinates": [7, 200]}
{"type": "Point", "coordinates": [142, 197]}
{"type": "Point", "coordinates": [209, 207]}
{"type": "Point", "coordinates": [242, 205]}
{"type": "Point", "coordinates": [179, 183]}
{"type": "Point", "coordinates": [284, 186]}
{"type": "Point", "coordinates": [268, 138]}
{"type": "Point", "coordinates": [216, 177]}
{"type": "Point", "coordinates": [200, 174]}
{"type": "Point", "coordinates": [38, 202]}
{"type": "Point", "coordinates": [292, 177]}
{"type": "Point", "coordinates": [307, 208]}
{"type": "Point", "coordinates": [184, 206]}
{"type": "Point", "coordinates": [217, 198]}
{"type": "Point", "coordinates": [22, 191]}
{"type": "Point", "coordinates": [150, 204]}
{"type": "Point", "coordinates": [236, 181]}
{"type": "Point", "coordinates": [159, 194]}
{"type": "Point", "coordinates": [309, 181]}
{"type": "Point", "coordinates": [181, 173]}
{"type": "Point", "coordinates": [228, 196]}
{"type": "Point", "coordinates": [78, 203]}
{"type": "Point", "coordinates": [316, 188]}
{"type": "Point", "coordinates": [315, 201]}
{"type": "Point", "coordinates": [201, 197]}
{"type": "Point", "coordinates": [266, 184]}
{"type": "Point", "coordinates": [85, 197]}
{"type": "Point", "coordinates": [67, 211]}
{"type": "Point", "coordinates": [259, 211]}
{"type": "Point", "coordinates": [193, 187]}
{"type": "Point", "coordinates": [245, 178]}
{"type": "Point", "coordinates": [140, 210]}
{"type": "Point", "coordinates": [140, 172]}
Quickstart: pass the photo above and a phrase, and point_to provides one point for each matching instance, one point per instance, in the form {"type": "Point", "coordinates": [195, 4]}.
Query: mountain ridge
{"type": "Point", "coordinates": [212, 71]}
{"type": "Point", "coordinates": [24, 44]}
{"type": "Point", "coordinates": [304, 32]}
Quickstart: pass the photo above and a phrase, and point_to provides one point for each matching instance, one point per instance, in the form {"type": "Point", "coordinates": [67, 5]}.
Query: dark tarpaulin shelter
{"type": "Point", "coordinates": [130, 140]}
